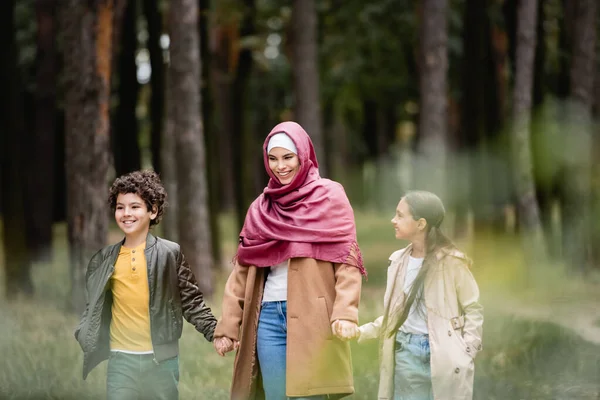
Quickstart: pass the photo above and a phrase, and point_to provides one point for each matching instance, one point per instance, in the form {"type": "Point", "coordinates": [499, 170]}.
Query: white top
{"type": "Point", "coordinates": [416, 322]}
{"type": "Point", "coordinates": [276, 285]}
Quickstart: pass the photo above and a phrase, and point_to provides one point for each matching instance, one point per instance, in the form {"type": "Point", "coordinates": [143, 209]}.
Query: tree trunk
{"type": "Point", "coordinates": [157, 80]}
{"type": "Point", "coordinates": [87, 34]}
{"type": "Point", "coordinates": [242, 143]}
{"type": "Point", "coordinates": [40, 182]}
{"type": "Point", "coordinates": [576, 211]}
{"type": "Point", "coordinates": [184, 85]}
{"type": "Point", "coordinates": [430, 174]}
{"type": "Point", "coordinates": [17, 276]}
{"type": "Point", "coordinates": [307, 107]}
{"type": "Point", "coordinates": [211, 143]}
{"type": "Point", "coordinates": [222, 37]}
{"type": "Point", "coordinates": [125, 145]}
{"type": "Point", "coordinates": [528, 209]}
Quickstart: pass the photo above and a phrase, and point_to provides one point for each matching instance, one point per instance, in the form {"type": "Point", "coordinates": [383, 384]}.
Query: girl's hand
{"type": "Point", "coordinates": [345, 330]}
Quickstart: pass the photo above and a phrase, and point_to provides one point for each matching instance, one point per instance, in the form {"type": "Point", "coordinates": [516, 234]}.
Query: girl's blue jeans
{"type": "Point", "coordinates": [412, 374]}
{"type": "Point", "coordinates": [271, 347]}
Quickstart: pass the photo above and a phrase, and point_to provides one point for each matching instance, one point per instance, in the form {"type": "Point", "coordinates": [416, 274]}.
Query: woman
{"type": "Point", "coordinates": [291, 301]}
{"type": "Point", "coordinates": [430, 331]}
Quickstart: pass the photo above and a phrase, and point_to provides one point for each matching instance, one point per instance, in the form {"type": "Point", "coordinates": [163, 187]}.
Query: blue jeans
{"type": "Point", "coordinates": [412, 374]}
{"type": "Point", "coordinates": [137, 376]}
{"type": "Point", "coordinates": [271, 347]}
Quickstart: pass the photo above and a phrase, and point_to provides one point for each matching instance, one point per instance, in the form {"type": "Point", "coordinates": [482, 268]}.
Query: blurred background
{"type": "Point", "coordinates": [492, 104]}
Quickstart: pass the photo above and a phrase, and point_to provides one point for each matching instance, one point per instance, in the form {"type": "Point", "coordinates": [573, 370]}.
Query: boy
{"type": "Point", "coordinates": [138, 291]}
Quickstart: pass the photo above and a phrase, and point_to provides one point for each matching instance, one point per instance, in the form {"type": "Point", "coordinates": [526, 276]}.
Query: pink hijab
{"type": "Point", "coordinates": [310, 217]}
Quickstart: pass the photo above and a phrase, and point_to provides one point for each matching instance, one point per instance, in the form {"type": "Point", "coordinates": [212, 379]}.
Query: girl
{"type": "Point", "coordinates": [291, 301]}
{"type": "Point", "coordinates": [430, 331]}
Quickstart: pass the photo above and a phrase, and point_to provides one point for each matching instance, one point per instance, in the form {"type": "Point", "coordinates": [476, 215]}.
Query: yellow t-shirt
{"type": "Point", "coordinates": [130, 325]}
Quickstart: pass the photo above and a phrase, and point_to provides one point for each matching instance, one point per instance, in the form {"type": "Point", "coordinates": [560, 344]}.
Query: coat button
{"type": "Point", "coordinates": [457, 370]}
{"type": "Point", "coordinates": [449, 333]}
{"type": "Point", "coordinates": [479, 347]}
{"type": "Point", "coordinates": [468, 349]}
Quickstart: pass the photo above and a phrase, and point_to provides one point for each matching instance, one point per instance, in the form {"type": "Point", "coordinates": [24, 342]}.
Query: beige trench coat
{"type": "Point", "coordinates": [455, 320]}
{"type": "Point", "coordinates": [319, 293]}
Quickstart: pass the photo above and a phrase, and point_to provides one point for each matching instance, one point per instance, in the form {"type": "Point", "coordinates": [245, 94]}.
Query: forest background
{"type": "Point", "coordinates": [492, 104]}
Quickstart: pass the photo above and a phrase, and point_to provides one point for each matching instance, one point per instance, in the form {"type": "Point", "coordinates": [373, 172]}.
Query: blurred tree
{"type": "Point", "coordinates": [576, 211]}
{"type": "Point", "coordinates": [154, 26]}
{"type": "Point", "coordinates": [124, 133]}
{"type": "Point", "coordinates": [528, 210]}
{"type": "Point", "coordinates": [40, 182]}
{"type": "Point", "coordinates": [307, 104]}
{"type": "Point", "coordinates": [87, 32]}
{"type": "Point", "coordinates": [433, 57]}
{"type": "Point", "coordinates": [13, 164]}
{"type": "Point", "coordinates": [210, 135]}
{"type": "Point", "coordinates": [243, 139]}
{"type": "Point", "coordinates": [184, 93]}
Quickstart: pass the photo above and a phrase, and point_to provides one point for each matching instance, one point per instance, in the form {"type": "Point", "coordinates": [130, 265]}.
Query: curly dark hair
{"type": "Point", "coordinates": [147, 185]}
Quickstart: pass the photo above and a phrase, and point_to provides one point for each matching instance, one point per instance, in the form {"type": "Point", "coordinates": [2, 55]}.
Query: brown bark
{"type": "Point", "coordinates": [576, 211]}
{"type": "Point", "coordinates": [17, 265]}
{"type": "Point", "coordinates": [243, 140]}
{"type": "Point", "coordinates": [211, 143]}
{"type": "Point", "coordinates": [157, 80]}
{"type": "Point", "coordinates": [528, 208]}
{"type": "Point", "coordinates": [87, 31]}
{"type": "Point", "coordinates": [40, 182]}
{"type": "Point", "coordinates": [184, 84]}
{"type": "Point", "coordinates": [126, 149]}
{"type": "Point", "coordinates": [433, 90]}
{"type": "Point", "coordinates": [307, 107]}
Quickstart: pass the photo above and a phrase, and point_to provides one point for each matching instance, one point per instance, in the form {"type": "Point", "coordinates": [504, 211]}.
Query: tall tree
{"type": "Point", "coordinates": [576, 211]}
{"type": "Point", "coordinates": [40, 182]}
{"type": "Point", "coordinates": [212, 142]}
{"type": "Point", "coordinates": [433, 41]}
{"type": "Point", "coordinates": [184, 84]}
{"type": "Point", "coordinates": [126, 149]}
{"type": "Point", "coordinates": [12, 165]}
{"type": "Point", "coordinates": [528, 208]}
{"type": "Point", "coordinates": [243, 140]}
{"type": "Point", "coordinates": [157, 80]}
{"type": "Point", "coordinates": [307, 107]}
{"type": "Point", "coordinates": [87, 35]}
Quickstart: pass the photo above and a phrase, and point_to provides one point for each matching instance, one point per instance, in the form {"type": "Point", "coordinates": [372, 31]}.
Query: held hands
{"type": "Point", "coordinates": [224, 345]}
{"type": "Point", "coordinates": [345, 330]}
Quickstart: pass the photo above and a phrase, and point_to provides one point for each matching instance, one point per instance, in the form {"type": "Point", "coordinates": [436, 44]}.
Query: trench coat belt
{"type": "Point", "coordinates": [457, 322]}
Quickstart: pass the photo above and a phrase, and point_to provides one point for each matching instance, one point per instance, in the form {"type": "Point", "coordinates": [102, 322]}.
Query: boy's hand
{"type": "Point", "coordinates": [224, 345]}
{"type": "Point", "coordinates": [345, 330]}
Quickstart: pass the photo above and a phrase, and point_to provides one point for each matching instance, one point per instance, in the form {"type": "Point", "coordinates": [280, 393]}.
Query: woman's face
{"type": "Point", "coordinates": [284, 164]}
{"type": "Point", "coordinates": [405, 226]}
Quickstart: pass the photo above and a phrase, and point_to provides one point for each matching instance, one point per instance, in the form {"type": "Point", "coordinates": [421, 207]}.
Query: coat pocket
{"type": "Point", "coordinates": [324, 317]}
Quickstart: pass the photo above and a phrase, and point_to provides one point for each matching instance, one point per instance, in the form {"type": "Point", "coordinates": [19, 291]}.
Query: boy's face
{"type": "Point", "coordinates": [132, 214]}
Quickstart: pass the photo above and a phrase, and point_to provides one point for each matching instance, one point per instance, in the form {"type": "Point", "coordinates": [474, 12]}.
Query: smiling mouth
{"type": "Point", "coordinates": [128, 222]}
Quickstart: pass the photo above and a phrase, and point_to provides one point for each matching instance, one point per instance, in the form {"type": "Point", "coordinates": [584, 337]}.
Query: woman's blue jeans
{"type": "Point", "coordinates": [412, 375]}
{"type": "Point", "coordinates": [271, 347]}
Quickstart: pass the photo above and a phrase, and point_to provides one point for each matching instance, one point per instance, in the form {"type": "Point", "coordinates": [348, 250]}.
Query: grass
{"type": "Point", "coordinates": [522, 359]}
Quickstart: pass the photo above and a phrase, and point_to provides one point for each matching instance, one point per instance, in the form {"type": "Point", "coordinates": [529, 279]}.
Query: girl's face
{"type": "Point", "coordinates": [132, 214]}
{"type": "Point", "coordinates": [284, 164]}
{"type": "Point", "coordinates": [405, 225]}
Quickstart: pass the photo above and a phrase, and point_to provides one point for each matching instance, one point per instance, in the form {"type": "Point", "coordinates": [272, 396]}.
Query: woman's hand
{"type": "Point", "coordinates": [345, 330]}
{"type": "Point", "coordinates": [224, 345]}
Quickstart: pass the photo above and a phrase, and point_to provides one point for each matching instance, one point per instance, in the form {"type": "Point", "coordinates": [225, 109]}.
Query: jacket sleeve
{"type": "Point", "coordinates": [467, 293]}
{"type": "Point", "coordinates": [348, 283]}
{"type": "Point", "coordinates": [195, 310]}
{"type": "Point", "coordinates": [371, 330]}
{"type": "Point", "coordinates": [91, 266]}
{"type": "Point", "coordinates": [233, 304]}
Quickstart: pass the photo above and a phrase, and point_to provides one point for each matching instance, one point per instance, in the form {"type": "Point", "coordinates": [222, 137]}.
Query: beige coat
{"type": "Point", "coordinates": [455, 320]}
{"type": "Point", "coordinates": [319, 293]}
